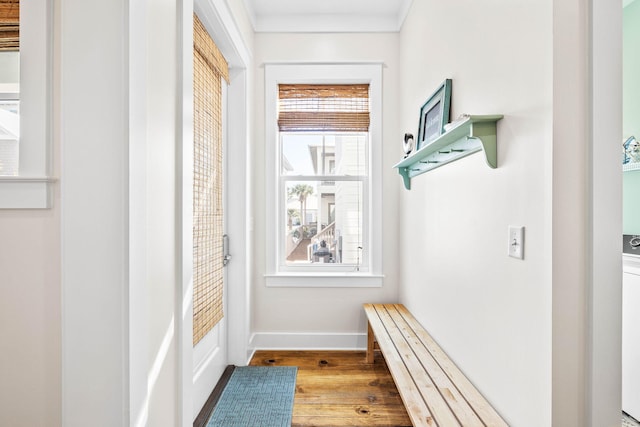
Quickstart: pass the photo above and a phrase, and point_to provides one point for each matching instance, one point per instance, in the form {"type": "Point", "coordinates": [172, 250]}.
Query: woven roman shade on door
{"type": "Point", "coordinates": [328, 108]}
{"type": "Point", "coordinates": [209, 68]}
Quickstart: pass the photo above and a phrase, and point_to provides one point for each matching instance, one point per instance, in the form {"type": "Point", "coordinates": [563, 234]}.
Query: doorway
{"type": "Point", "coordinates": [210, 77]}
{"type": "Point", "coordinates": [630, 211]}
{"type": "Point", "coordinates": [200, 370]}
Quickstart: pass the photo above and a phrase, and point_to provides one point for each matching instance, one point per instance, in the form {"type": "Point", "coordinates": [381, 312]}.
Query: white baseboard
{"type": "Point", "coordinates": [308, 341]}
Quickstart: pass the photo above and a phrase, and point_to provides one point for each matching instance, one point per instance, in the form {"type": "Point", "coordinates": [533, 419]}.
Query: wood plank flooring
{"type": "Point", "coordinates": [338, 388]}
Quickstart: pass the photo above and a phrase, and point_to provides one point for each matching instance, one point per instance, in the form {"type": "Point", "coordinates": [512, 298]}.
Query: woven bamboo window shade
{"type": "Point", "coordinates": [9, 25]}
{"type": "Point", "coordinates": [313, 108]}
{"type": "Point", "coordinates": [209, 68]}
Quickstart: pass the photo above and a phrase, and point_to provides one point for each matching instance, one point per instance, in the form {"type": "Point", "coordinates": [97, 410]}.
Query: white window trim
{"type": "Point", "coordinates": [31, 188]}
{"type": "Point", "coordinates": [345, 73]}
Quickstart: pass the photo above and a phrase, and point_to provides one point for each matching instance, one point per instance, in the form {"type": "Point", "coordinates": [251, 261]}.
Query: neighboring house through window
{"type": "Point", "coordinates": [323, 133]}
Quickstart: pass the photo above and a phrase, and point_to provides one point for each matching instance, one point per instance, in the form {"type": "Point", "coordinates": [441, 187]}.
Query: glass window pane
{"type": "Point", "coordinates": [323, 222]}
{"type": "Point", "coordinates": [9, 112]}
{"type": "Point", "coordinates": [9, 136]}
{"type": "Point", "coordinates": [324, 153]}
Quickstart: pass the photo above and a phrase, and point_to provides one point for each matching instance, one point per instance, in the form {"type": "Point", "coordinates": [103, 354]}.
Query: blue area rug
{"type": "Point", "coordinates": [260, 396]}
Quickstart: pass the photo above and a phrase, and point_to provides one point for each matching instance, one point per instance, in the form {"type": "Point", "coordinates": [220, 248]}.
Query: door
{"type": "Point", "coordinates": [209, 289]}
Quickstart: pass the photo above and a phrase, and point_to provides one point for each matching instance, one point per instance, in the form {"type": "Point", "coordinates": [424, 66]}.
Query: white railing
{"type": "Point", "coordinates": [328, 235]}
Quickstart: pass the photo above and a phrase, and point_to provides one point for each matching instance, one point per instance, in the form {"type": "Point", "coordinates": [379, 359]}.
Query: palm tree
{"type": "Point", "coordinates": [291, 215]}
{"type": "Point", "coordinates": [301, 192]}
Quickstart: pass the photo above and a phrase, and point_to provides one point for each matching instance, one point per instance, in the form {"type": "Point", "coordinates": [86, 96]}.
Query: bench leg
{"type": "Point", "coordinates": [370, 341]}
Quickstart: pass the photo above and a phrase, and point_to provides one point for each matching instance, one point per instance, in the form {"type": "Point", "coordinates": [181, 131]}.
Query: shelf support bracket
{"type": "Point", "coordinates": [404, 172]}
{"type": "Point", "coordinates": [486, 134]}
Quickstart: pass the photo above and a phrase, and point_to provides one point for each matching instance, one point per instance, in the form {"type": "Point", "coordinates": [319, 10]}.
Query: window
{"type": "Point", "coordinates": [9, 87]}
{"type": "Point", "coordinates": [24, 175]}
{"type": "Point", "coordinates": [323, 136]}
{"type": "Point", "coordinates": [9, 126]}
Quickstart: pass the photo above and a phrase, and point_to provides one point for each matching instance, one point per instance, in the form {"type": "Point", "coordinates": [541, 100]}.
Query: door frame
{"type": "Point", "coordinates": [586, 214]}
{"type": "Point", "coordinates": [219, 22]}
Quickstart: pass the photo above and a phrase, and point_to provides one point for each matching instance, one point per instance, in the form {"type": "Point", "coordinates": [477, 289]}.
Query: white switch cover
{"type": "Point", "coordinates": [516, 242]}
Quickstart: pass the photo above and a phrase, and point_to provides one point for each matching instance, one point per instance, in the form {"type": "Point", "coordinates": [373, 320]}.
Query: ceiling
{"type": "Point", "coordinates": [327, 15]}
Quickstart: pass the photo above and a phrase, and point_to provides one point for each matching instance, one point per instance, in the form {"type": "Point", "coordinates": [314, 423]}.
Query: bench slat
{"type": "Point", "coordinates": [411, 397]}
{"type": "Point", "coordinates": [487, 414]}
{"type": "Point", "coordinates": [421, 378]}
{"type": "Point", "coordinates": [454, 399]}
{"type": "Point", "coordinates": [434, 390]}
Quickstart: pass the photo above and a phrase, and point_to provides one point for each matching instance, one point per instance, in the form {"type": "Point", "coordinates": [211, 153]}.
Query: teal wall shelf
{"type": "Point", "coordinates": [468, 136]}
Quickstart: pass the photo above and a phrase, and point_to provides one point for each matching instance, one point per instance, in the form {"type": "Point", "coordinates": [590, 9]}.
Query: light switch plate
{"type": "Point", "coordinates": [516, 242]}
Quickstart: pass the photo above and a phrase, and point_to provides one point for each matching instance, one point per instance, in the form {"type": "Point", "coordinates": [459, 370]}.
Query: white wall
{"type": "Point", "coordinates": [490, 313]}
{"type": "Point", "coordinates": [569, 221]}
{"type": "Point", "coordinates": [120, 253]}
{"type": "Point", "coordinates": [94, 144]}
{"type": "Point", "coordinates": [30, 317]}
{"type": "Point", "coordinates": [161, 220]}
{"type": "Point", "coordinates": [30, 295]}
{"type": "Point", "coordinates": [88, 288]}
{"type": "Point", "coordinates": [330, 312]}
{"type": "Point", "coordinates": [494, 314]}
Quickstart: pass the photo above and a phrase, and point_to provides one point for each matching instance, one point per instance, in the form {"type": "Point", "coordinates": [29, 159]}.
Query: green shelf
{"type": "Point", "coordinates": [473, 134]}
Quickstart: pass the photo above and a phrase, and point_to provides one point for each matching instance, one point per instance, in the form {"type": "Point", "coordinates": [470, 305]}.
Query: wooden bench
{"type": "Point", "coordinates": [434, 391]}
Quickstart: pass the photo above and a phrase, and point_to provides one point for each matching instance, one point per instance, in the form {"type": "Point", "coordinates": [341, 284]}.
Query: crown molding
{"type": "Point", "coordinates": [333, 16]}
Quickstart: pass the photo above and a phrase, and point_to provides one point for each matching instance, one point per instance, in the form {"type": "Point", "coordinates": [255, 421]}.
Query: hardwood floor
{"type": "Point", "coordinates": [338, 388]}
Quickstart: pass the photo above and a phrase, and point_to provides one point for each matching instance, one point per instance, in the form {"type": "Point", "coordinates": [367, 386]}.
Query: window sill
{"type": "Point", "coordinates": [18, 192]}
{"type": "Point", "coordinates": [324, 280]}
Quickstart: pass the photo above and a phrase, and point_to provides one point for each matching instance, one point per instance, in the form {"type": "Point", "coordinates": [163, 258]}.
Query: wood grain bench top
{"type": "Point", "coordinates": [434, 391]}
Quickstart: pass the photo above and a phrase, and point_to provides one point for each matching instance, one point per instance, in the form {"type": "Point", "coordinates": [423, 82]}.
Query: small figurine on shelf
{"type": "Point", "coordinates": [407, 145]}
{"type": "Point", "coordinates": [631, 149]}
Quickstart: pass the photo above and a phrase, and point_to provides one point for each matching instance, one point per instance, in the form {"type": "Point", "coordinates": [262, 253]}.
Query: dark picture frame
{"type": "Point", "coordinates": [434, 114]}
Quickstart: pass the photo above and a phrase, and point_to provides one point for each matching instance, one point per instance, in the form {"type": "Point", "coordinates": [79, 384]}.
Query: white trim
{"type": "Point", "coordinates": [94, 214]}
{"type": "Point", "coordinates": [604, 210]}
{"type": "Point", "coordinates": [324, 280]}
{"type": "Point", "coordinates": [239, 270]}
{"type": "Point", "coordinates": [35, 111]}
{"type": "Point", "coordinates": [308, 341]}
{"type": "Point", "coordinates": [345, 72]}
{"type": "Point", "coordinates": [21, 192]}
{"type": "Point", "coordinates": [339, 17]}
{"type": "Point", "coordinates": [217, 18]}
{"type": "Point", "coordinates": [186, 393]}
{"type": "Point", "coordinates": [138, 303]}
{"type": "Point", "coordinates": [586, 214]}
{"type": "Point", "coordinates": [322, 63]}
{"type": "Point", "coordinates": [329, 23]}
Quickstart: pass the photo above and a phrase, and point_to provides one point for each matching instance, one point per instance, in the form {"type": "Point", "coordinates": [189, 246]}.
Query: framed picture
{"type": "Point", "coordinates": [434, 114]}
{"type": "Point", "coordinates": [631, 154]}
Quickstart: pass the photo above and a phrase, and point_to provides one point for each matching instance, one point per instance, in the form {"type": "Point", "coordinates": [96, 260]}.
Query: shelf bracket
{"type": "Point", "coordinates": [404, 172]}
{"type": "Point", "coordinates": [486, 134]}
